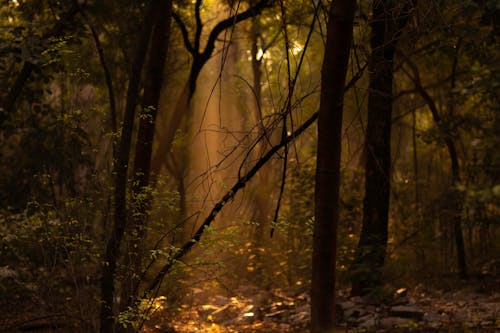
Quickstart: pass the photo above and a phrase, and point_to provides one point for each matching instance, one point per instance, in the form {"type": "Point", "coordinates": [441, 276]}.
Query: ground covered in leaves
{"type": "Point", "coordinates": [442, 307]}
{"type": "Point", "coordinates": [417, 309]}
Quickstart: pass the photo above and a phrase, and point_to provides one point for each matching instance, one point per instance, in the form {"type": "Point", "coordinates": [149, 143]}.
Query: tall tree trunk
{"type": "Point", "coordinates": [111, 255]}
{"type": "Point", "coordinates": [457, 197]}
{"type": "Point", "coordinates": [327, 200]}
{"type": "Point", "coordinates": [366, 272]}
{"type": "Point", "coordinates": [141, 191]}
{"type": "Point", "coordinates": [262, 208]}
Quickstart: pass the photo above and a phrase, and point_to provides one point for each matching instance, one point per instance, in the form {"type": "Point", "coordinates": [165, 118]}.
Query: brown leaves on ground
{"type": "Point", "coordinates": [251, 310]}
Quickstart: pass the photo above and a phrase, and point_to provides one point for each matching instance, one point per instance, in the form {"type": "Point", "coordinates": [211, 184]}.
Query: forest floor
{"type": "Point", "coordinates": [438, 306]}
{"type": "Point", "coordinates": [460, 309]}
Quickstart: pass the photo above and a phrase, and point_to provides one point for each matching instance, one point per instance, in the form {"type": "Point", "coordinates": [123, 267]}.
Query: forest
{"type": "Point", "coordinates": [175, 166]}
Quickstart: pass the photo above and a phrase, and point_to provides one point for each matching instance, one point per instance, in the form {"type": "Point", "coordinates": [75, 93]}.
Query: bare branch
{"type": "Point", "coordinates": [240, 183]}
{"type": "Point", "coordinates": [229, 22]}
{"type": "Point", "coordinates": [107, 74]}
{"type": "Point", "coordinates": [185, 34]}
{"type": "Point", "coordinates": [199, 25]}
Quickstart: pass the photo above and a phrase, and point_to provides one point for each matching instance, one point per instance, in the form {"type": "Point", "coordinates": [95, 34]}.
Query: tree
{"type": "Point", "coordinates": [141, 174]}
{"type": "Point", "coordinates": [199, 59]}
{"type": "Point", "coordinates": [84, 213]}
{"type": "Point", "coordinates": [387, 23]}
{"type": "Point", "coordinates": [111, 256]}
{"type": "Point", "coordinates": [142, 164]}
{"type": "Point", "coordinates": [327, 201]}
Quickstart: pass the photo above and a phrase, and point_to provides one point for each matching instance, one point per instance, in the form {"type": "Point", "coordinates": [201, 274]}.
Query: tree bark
{"type": "Point", "coordinates": [366, 272]}
{"type": "Point", "coordinates": [327, 200]}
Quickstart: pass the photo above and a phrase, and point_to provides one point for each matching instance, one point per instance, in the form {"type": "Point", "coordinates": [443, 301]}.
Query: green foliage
{"type": "Point", "coordinates": [46, 255]}
{"type": "Point", "coordinates": [44, 159]}
{"type": "Point", "coordinates": [56, 157]}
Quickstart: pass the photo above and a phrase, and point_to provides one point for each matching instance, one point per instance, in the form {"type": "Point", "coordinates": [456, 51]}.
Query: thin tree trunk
{"type": "Point", "coordinates": [457, 197]}
{"type": "Point", "coordinates": [261, 203]}
{"type": "Point", "coordinates": [141, 191]}
{"type": "Point", "coordinates": [108, 78]}
{"type": "Point", "coordinates": [111, 255]}
{"type": "Point", "coordinates": [327, 200]}
{"type": "Point", "coordinates": [180, 115]}
{"type": "Point", "coordinates": [418, 209]}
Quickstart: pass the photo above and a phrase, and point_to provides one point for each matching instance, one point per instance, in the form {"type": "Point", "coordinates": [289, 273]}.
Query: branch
{"type": "Point", "coordinates": [185, 34]}
{"type": "Point", "coordinates": [229, 22]}
{"type": "Point", "coordinates": [267, 46]}
{"type": "Point", "coordinates": [199, 25]}
{"type": "Point", "coordinates": [430, 86]}
{"type": "Point", "coordinates": [417, 82]}
{"type": "Point", "coordinates": [107, 75]}
{"type": "Point", "coordinates": [234, 189]}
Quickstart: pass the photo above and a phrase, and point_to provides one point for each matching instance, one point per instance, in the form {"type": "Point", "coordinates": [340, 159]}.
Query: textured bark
{"type": "Point", "coordinates": [327, 201]}
{"type": "Point", "coordinates": [366, 272]}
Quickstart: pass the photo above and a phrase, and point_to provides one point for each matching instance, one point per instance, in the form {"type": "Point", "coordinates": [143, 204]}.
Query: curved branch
{"type": "Point", "coordinates": [272, 42]}
{"type": "Point", "coordinates": [417, 82]}
{"type": "Point", "coordinates": [242, 181]}
{"type": "Point", "coordinates": [185, 34]}
{"type": "Point", "coordinates": [107, 75]}
{"type": "Point", "coordinates": [230, 21]}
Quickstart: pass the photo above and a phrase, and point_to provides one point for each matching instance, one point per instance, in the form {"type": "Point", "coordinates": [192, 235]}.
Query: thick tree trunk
{"type": "Point", "coordinates": [327, 201]}
{"type": "Point", "coordinates": [366, 272]}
